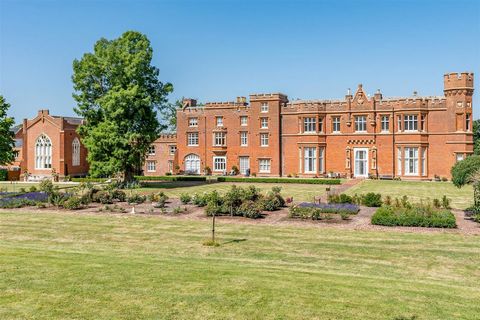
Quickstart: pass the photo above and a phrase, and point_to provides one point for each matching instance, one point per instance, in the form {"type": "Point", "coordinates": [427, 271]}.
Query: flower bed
{"type": "Point", "coordinates": [280, 180]}
{"type": "Point", "coordinates": [20, 200]}
{"type": "Point", "coordinates": [414, 216]}
{"type": "Point", "coordinates": [322, 211]}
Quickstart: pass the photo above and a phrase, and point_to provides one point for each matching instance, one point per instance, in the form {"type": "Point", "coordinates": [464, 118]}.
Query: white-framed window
{"type": "Point", "coordinates": [219, 139]}
{"type": "Point", "coordinates": [467, 122]}
{"type": "Point", "coordinates": [335, 124]}
{"type": "Point", "coordinates": [385, 123]}
{"type": "Point", "coordinates": [244, 121]}
{"type": "Point", "coordinates": [264, 123]}
{"type": "Point", "coordinates": [310, 159]}
{"type": "Point", "coordinates": [309, 124]}
{"type": "Point", "coordinates": [192, 138]}
{"type": "Point", "coordinates": [192, 163]}
{"type": "Point", "coordinates": [423, 122]}
{"type": "Point", "coordinates": [360, 123]}
{"type": "Point", "coordinates": [172, 149]}
{"type": "Point", "coordinates": [151, 150]}
{"type": "Point", "coordinates": [192, 122]}
{"type": "Point", "coordinates": [424, 161]}
{"type": "Point", "coordinates": [244, 138]}
{"type": "Point", "coordinates": [219, 121]}
{"type": "Point", "coordinates": [220, 163]}
{"type": "Point", "coordinates": [76, 152]}
{"type": "Point", "coordinates": [321, 155]}
{"type": "Point", "coordinates": [151, 166]}
{"type": "Point", "coordinates": [264, 107]}
{"type": "Point", "coordinates": [399, 161]}
{"type": "Point", "coordinates": [264, 165]}
{"type": "Point", "coordinates": [399, 123]}
{"type": "Point", "coordinates": [43, 152]}
{"type": "Point", "coordinates": [264, 139]}
{"type": "Point", "coordinates": [244, 163]}
{"type": "Point", "coordinates": [411, 161]}
{"type": "Point", "coordinates": [459, 157]}
{"type": "Point", "coordinates": [410, 122]}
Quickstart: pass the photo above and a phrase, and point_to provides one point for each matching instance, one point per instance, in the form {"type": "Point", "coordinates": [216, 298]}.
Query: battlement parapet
{"type": "Point", "coordinates": [455, 80]}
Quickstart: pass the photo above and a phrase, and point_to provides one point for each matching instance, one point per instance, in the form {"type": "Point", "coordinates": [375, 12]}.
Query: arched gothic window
{"type": "Point", "coordinates": [75, 152]}
{"type": "Point", "coordinates": [43, 152]}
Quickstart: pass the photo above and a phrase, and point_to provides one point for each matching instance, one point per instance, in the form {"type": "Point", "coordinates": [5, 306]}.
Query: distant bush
{"type": "Point", "coordinates": [416, 216]}
{"type": "Point", "coordinates": [185, 198]}
{"type": "Point", "coordinates": [3, 175]}
{"type": "Point", "coordinates": [339, 198]}
{"type": "Point", "coordinates": [32, 189]}
{"type": "Point", "coordinates": [372, 199]}
{"type": "Point", "coordinates": [118, 195]}
{"type": "Point", "coordinates": [199, 200]}
{"type": "Point", "coordinates": [136, 198]}
{"type": "Point", "coordinates": [73, 203]}
{"type": "Point", "coordinates": [171, 178]}
{"type": "Point", "coordinates": [279, 180]}
{"type": "Point", "coordinates": [250, 209]}
{"type": "Point", "coordinates": [103, 197]}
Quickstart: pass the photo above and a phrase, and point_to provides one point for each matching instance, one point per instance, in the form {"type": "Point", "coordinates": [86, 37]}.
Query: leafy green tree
{"type": "Point", "coordinates": [7, 142]}
{"type": "Point", "coordinates": [170, 115]}
{"type": "Point", "coordinates": [118, 92]}
{"type": "Point", "coordinates": [468, 171]}
{"type": "Point", "coordinates": [476, 136]}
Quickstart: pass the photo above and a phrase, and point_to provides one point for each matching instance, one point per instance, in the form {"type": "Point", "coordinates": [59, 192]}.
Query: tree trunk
{"type": "Point", "coordinates": [128, 175]}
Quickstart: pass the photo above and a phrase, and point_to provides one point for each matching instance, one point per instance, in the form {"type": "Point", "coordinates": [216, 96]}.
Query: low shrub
{"type": "Point", "coordinates": [118, 195]}
{"type": "Point", "coordinates": [73, 203]}
{"type": "Point", "coordinates": [271, 202]}
{"type": "Point", "coordinates": [372, 199]}
{"type": "Point", "coordinates": [339, 198]}
{"type": "Point", "coordinates": [279, 180]}
{"type": "Point", "coordinates": [416, 216]}
{"type": "Point", "coordinates": [47, 186]}
{"type": "Point", "coordinates": [250, 209]}
{"type": "Point", "coordinates": [103, 197]}
{"type": "Point", "coordinates": [199, 200]}
{"type": "Point", "coordinates": [32, 189]}
{"type": "Point", "coordinates": [177, 210]}
{"type": "Point", "coordinates": [185, 198]}
{"type": "Point", "coordinates": [136, 198]}
{"type": "Point", "coordinates": [171, 178]}
{"type": "Point", "coordinates": [3, 175]}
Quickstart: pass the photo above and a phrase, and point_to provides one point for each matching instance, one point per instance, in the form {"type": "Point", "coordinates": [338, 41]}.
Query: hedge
{"type": "Point", "coordinates": [89, 179]}
{"type": "Point", "coordinates": [3, 175]}
{"type": "Point", "coordinates": [171, 178]}
{"type": "Point", "coordinates": [280, 180]}
{"type": "Point", "coordinates": [414, 217]}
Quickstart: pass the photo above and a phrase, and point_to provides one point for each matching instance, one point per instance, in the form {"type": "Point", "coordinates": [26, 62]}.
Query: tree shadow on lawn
{"type": "Point", "coordinates": [234, 241]}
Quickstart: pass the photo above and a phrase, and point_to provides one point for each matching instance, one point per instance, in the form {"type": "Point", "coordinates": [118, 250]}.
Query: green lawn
{"type": "Point", "coordinates": [58, 266]}
{"type": "Point", "coordinates": [300, 192]}
{"type": "Point", "coordinates": [10, 186]}
{"type": "Point", "coordinates": [417, 190]}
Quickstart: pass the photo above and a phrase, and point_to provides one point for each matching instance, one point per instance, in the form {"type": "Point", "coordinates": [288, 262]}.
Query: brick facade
{"type": "Point", "coordinates": [161, 159]}
{"type": "Point", "coordinates": [47, 143]}
{"type": "Point", "coordinates": [359, 136]}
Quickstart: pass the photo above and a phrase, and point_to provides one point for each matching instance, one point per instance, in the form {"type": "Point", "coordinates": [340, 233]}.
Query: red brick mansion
{"type": "Point", "coordinates": [359, 136]}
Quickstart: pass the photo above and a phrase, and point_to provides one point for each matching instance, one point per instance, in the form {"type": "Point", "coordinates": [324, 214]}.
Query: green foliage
{"type": "Point", "coordinates": [32, 189]}
{"type": "Point", "coordinates": [118, 195]}
{"type": "Point", "coordinates": [250, 209]}
{"type": "Point", "coordinates": [46, 186]}
{"type": "Point", "coordinates": [185, 198]}
{"type": "Point", "coordinates": [171, 178]}
{"type": "Point", "coordinates": [271, 202]}
{"type": "Point", "coordinates": [309, 213]}
{"type": "Point", "coordinates": [279, 180]}
{"type": "Point", "coordinates": [199, 200]}
{"type": "Point", "coordinates": [416, 216]}
{"type": "Point", "coordinates": [446, 202]}
{"type": "Point", "coordinates": [169, 114]}
{"type": "Point", "coordinates": [3, 175]}
{"type": "Point", "coordinates": [372, 199]}
{"type": "Point", "coordinates": [103, 197]}
{"type": "Point", "coordinates": [73, 203]}
{"type": "Point", "coordinates": [89, 179]}
{"type": "Point", "coordinates": [464, 171]}
{"type": "Point", "coordinates": [339, 198]}
{"type": "Point", "coordinates": [118, 93]}
{"type": "Point", "coordinates": [7, 142]}
{"type": "Point", "coordinates": [177, 210]}
{"type": "Point", "coordinates": [476, 137]}
{"type": "Point", "coordinates": [17, 203]}
{"type": "Point", "coordinates": [57, 199]}
{"type": "Point", "coordinates": [136, 198]}
{"type": "Point", "coordinates": [235, 170]}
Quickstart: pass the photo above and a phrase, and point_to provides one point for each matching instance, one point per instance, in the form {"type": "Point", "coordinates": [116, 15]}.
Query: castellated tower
{"type": "Point", "coordinates": [458, 89]}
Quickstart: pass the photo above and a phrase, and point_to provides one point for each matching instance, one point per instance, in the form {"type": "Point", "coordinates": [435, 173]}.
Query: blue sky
{"type": "Point", "coordinates": [217, 50]}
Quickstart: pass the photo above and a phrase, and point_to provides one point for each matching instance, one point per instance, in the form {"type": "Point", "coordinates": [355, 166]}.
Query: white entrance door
{"type": "Point", "coordinates": [244, 164]}
{"type": "Point", "coordinates": [361, 162]}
